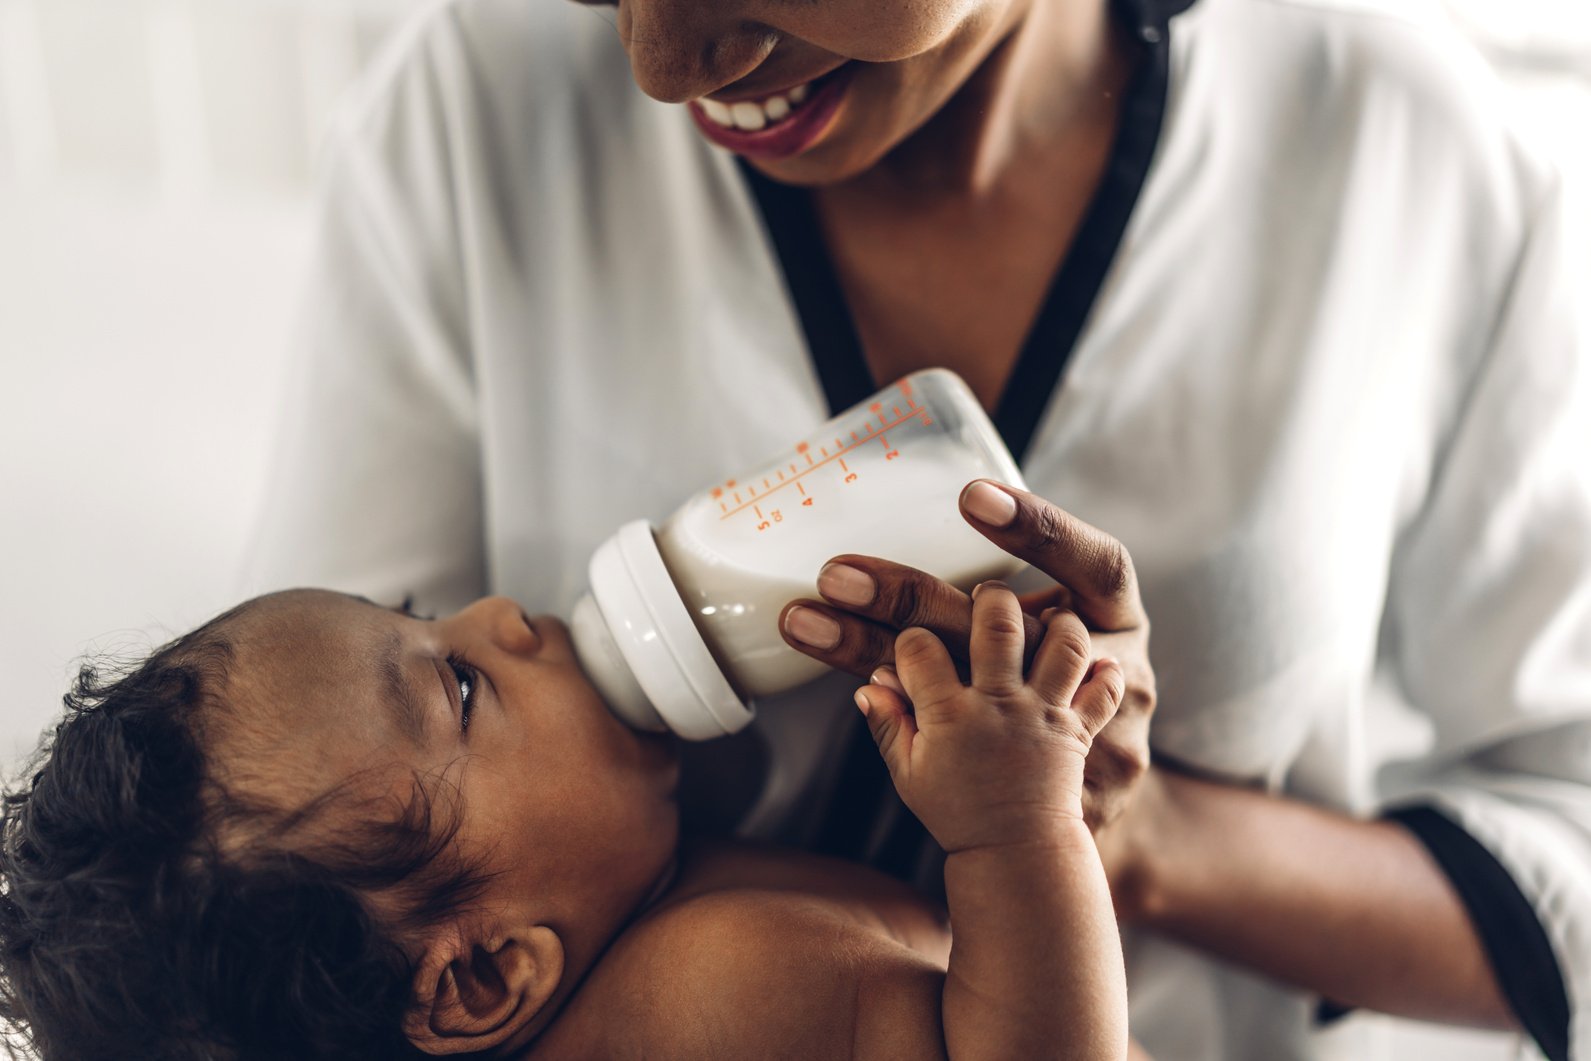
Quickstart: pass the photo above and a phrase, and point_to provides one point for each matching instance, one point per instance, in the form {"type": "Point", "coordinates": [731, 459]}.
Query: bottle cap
{"type": "Point", "coordinates": [642, 649]}
{"type": "Point", "coordinates": [601, 660]}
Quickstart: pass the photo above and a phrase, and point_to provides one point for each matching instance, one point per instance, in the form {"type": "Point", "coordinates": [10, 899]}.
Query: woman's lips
{"type": "Point", "coordinates": [778, 125]}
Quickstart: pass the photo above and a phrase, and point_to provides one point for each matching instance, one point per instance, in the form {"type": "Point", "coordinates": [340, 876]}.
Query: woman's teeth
{"type": "Point", "coordinates": [752, 115]}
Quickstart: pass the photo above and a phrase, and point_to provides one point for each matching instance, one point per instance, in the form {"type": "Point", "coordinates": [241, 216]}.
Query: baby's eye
{"type": "Point", "coordinates": [467, 677]}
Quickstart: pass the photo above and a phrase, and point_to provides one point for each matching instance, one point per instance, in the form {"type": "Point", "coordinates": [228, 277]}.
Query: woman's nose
{"type": "Point", "coordinates": [502, 622]}
{"type": "Point", "coordinates": [684, 49]}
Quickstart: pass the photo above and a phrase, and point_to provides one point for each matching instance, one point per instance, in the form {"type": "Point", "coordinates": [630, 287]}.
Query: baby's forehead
{"type": "Point", "coordinates": [274, 638]}
{"type": "Point", "coordinates": [304, 688]}
{"type": "Point", "coordinates": [295, 629]}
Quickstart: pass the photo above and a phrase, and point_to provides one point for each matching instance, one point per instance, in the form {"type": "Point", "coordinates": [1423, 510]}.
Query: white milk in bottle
{"type": "Point", "coordinates": [680, 628]}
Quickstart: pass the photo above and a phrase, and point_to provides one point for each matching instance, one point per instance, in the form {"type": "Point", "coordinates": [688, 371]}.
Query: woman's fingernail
{"type": "Point", "coordinates": [811, 627]}
{"type": "Point", "coordinates": [989, 504]}
{"type": "Point", "coordinates": [846, 584]}
{"type": "Point", "coordinates": [887, 677]}
{"type": "Point", "coordinates": [861, 702]}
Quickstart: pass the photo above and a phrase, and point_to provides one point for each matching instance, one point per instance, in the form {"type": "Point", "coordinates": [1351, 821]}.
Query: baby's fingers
{"type": "Point", "coordinates": [1062, 657]}
{"type": "Point", "coordinates": [890, 720]}
{"type": "Point", "coordinates": [1096, 702]}
{"type": "Point", "coordinates": [926, 671]}
{"type": "Point", "coordinates": [995, 647]}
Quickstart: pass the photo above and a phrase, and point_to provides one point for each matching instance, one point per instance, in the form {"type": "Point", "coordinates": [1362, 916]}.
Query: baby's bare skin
{"type": "Point", "coordinates": [758, 955]}
{"type": "Point", "coordinates": [756, 952]}
{"type": "Point", "coordinates": [563, 952]}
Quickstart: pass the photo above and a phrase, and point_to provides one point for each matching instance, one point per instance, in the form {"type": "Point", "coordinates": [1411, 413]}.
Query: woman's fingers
{"type": "Point", "coordinates": [1089, 562]}
{"type": "Point", "coordinates": [843, 641]}
{"type": "Point", "coordinates": [996, 644]}
{"type": "Point", "coordinates": [867, 600]}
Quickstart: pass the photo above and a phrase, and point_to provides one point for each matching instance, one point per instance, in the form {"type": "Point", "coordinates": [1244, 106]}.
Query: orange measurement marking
{"type": "Point", "coordinates": [884, 440]}
{"type": "Point", "coordinates": [906, 387]}
{"type": "Point", "coordinates": [801, 447]}
{"type": "Point", "coordinates": [781, 474]}
{"type": "Point", "coordinates": [718, 491]}
{"type": "Point", "coordinates": [737, 497]}
{"type": "Point", "coordinates": [802, 489]}
{"type": "Point", "coordinates": [825, 450]}
{"type": "Point", "coordinates": [838, 444]}
{"type": "Point", "coordinates": [812, 464]}
{"type": "Point", "coordinates": [910, 404]}
{"type": "Point", "coordinates": [765, 482]}
{"type": "Point", "coordinates": [758, 510]}
{"type": "Point", "coordinates": [722, 507]}
{"type": "Point", "coordinates": [897, 410]}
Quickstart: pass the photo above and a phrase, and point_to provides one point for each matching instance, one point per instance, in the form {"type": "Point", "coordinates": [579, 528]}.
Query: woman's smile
{"type": "Point", "coordinates": [774, 124]}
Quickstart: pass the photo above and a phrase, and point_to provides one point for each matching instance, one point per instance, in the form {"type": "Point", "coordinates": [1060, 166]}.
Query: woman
{"type": "Point", "coordinates": [1261, 288]}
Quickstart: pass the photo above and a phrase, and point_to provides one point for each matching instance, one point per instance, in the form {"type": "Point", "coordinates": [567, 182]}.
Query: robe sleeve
{"type": "Point", "coordinates": [1488, 631]}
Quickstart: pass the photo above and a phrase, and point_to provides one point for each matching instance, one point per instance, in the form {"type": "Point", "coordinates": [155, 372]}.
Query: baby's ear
{"type": "Point", "coordinates": [474, 994]}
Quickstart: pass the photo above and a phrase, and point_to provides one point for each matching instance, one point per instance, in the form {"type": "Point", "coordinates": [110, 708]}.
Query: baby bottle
{"type": "Point", "coordinates": [680, 628]}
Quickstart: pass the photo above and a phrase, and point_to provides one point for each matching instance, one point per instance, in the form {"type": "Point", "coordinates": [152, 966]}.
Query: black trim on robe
{"type": "Point", "coordinates": [836, 349]}
{"type": "Point", "coordinates": [1520, 953]}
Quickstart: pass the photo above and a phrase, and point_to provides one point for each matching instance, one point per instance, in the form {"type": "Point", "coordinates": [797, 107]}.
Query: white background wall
{"type": "Point", "coordinates": [156, 171]}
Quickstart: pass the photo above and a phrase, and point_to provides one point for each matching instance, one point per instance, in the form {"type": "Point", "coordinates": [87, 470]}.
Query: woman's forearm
{"type": "Point", "coordinates": [1355, 911]}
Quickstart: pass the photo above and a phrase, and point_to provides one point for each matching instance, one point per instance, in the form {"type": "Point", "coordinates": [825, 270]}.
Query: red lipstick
{"type": "Point", "coordinates": [788, 136]}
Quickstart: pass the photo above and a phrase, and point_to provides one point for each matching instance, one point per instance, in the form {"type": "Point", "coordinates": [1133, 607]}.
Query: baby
{"type": "Point", "coordinates": [317, 827]}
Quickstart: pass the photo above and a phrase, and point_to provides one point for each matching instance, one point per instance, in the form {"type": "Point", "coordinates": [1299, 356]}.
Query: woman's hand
{"type": "Point", "coordinates": [868, 601]}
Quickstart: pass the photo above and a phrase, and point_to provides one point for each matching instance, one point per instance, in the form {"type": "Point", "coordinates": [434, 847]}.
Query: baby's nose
{"type": "Point", "coordinates": [507, 625]}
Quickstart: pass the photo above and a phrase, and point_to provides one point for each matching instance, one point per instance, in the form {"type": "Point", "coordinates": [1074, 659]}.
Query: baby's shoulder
{"type": "Point", "coordinates": [750, 972]}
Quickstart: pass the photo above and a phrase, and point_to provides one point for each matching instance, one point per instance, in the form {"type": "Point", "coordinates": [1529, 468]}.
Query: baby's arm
{"type": "Point", "coordinates": [994, 769]}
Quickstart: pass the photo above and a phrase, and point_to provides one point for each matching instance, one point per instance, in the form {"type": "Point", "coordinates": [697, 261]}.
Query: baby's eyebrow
{"type": "Point", "coordinates": [407, 705]}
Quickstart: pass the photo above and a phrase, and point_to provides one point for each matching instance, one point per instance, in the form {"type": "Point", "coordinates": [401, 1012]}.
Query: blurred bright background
{"type": "Point", "coordinates": [157, 172]}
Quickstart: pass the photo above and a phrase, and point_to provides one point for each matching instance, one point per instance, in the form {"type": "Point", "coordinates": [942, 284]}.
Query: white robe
{"type": "Point", "coordinates": [1327, 396]}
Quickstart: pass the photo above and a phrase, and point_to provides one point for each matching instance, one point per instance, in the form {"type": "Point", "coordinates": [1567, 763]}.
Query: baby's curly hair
{"type": "Point", "coordinates": [131, 928]}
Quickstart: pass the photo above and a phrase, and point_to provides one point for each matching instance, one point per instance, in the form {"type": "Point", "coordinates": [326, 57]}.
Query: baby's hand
{"type": "Point", "coordinates": [998, 760]}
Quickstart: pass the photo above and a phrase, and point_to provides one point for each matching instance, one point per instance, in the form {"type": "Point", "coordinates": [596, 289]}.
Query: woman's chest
{"type": "Point", "coordinates": [955, 284]}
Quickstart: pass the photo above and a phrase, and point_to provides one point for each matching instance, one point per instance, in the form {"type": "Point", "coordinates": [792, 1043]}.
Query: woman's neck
{"type": "Point", "coordinates": [1054, 78]}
